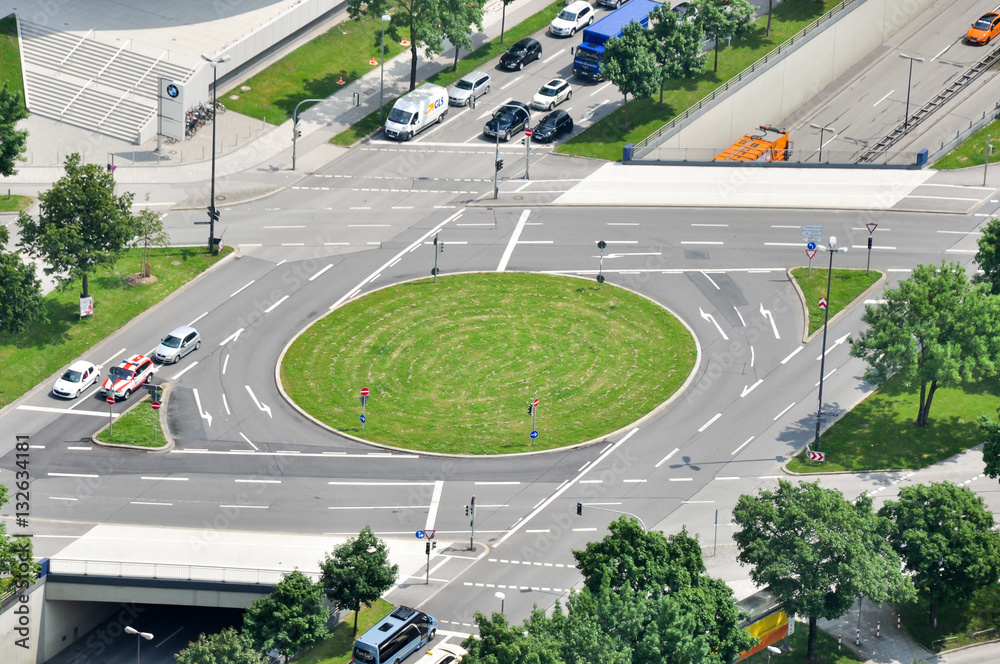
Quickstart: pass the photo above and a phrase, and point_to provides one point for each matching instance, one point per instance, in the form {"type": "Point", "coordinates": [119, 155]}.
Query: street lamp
{"type": "Point", "coordinates": [500, 596]}
{"type": "Point", "coordinates": [770, 649]}
{"type": "Point", "coordinates": [821, 131]}
{"type": "Point", "coordinates": [832, 249]}
{"type": "Point", "coordinates": [213, 214]}
{"type": "Point", "coordinates": [139, 636]}
{"type": "Point", "coordinates": [381, 73]}
{"type": "Point", "coordinates": [911, 58]}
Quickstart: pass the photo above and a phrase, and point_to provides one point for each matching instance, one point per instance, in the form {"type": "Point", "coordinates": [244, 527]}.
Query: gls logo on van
{"type": "Point", "coordinates": [434, 104]}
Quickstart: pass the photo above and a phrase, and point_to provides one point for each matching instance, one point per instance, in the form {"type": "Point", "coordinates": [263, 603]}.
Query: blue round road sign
{"type": "Point", "coordinates": [362, 419]}
{"type": "Point", "coordinates": [811, 246]}
{"type": "Point", "coordinates": [534, 434]}
{"type": "Point", "coordinates": [420, 534]}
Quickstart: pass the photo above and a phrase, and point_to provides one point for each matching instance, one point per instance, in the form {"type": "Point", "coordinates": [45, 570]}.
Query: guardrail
{"type": "Point", "coordinates": [784, 46]}
{"type": "Point", "coordinates": [170, 572]}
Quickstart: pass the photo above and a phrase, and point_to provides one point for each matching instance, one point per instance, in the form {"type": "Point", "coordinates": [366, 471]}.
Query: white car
{"type": "Point", "coordinates": [574, 16]}
{"type": "Point", "coordinates": [554, 92]}
{"type": "Point", "coordinates": [80, 375]}
{"type": "Point", "coordinates": [443, 653]}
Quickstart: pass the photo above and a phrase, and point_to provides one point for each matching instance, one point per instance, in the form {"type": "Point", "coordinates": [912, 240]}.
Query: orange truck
{"type": "Point", "coordinates": [764, 144]}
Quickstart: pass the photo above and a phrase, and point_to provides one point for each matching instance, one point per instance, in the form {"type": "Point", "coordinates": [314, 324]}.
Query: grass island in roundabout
{"type": "Point", "coordinates": [452, 366]}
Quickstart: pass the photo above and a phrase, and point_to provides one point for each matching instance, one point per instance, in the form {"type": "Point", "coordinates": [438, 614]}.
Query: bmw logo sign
{"type": "Point", "coordinates": [172, 90]}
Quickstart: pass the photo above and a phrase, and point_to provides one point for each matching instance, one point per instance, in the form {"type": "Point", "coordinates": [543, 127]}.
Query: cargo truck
{"type": "Point", "coordinates": [415, 111]}
{"type": "Point", "coordinates": [765, 144]}
{"type": "Point", "coordinates": [587, 56]}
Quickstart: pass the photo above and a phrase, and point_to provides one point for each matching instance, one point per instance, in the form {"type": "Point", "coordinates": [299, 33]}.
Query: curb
{"type": "Point", "coordinates": [168, 442]}
{"type": "Point", "coordinates": [806, 337]}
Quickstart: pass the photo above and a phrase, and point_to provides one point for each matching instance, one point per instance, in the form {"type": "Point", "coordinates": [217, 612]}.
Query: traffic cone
{"type": "Point", "coordinates": [405, 42]}
{"type": "Point", "coordinates": [341, 81]}
{"type": "Point", "coordinates": [373, 61]}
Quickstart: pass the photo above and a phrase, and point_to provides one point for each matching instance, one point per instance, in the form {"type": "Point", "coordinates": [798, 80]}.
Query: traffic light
{"type": "Point", "coordinates": [466, 510]}
{"type": "Point", "coordinates": [529, 409]}
{"type": "Point", "coordinates": [579, 509]}
{"type": "Point", "coordinates": [441, 247]}
{"type": "Point", "coordinates": [428, 549]}
{"type": "Point", "coordinates": [298, 133]}
{"type": "Point", "coordinates": [499, 164]}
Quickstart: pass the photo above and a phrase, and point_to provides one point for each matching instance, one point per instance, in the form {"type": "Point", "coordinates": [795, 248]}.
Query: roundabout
{"type": "Point", "coordinates": [452, 366]}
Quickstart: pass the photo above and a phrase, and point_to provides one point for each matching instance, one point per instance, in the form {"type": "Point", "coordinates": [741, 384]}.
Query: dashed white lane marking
{"type": "Point", "coordinates": [255, 481]}
{"type": "Point", "coordinates": [792, 354]}
{"type": "Point", "coordinates": [682, 479]}
{"type": "Point", "coordinates": [163, 478]}
{"type": "Point", "coordinates": [80, 448]}
{"type": "Point", "coordinates": [667, 458]}
{"type": "Point", "coordinates": [585, 530]}
{"type": "Point", "coordinates": [893, 90]}
{"type": "Point", "coordinates": [504, 587]}
{"type": "Point", "coordinates": [63, 498]}
{"type": "Point", "coordinates": [143, 502]}
{"type": "Point", "coordinates": [709, 423]}
{"type": "Point", "coordinates": [256, 449]}
{"type": "Point", "coordinates": [741, 446]}
{"type": "Point", "coordinates": [197, 319]}
{"type": "Point", "coordinates": [241, 288]}
{"type": "Point", "coordinates": [530, 562]}
{"type": "Point", "coordinates": [275, 305]}
{"type": "Point", "coordinates": [83, 475]}
{"type": "Point", "coordinates": [832, 371]}
{"type": "Point", "coordinates": [320, 273]}
{"type": "Point", "coordinates": [64, 411]}
{"type": "Point", "coordinates": [633, 481]}
{"type": "Point", "coordinates": [784, 411]}
{"type": "Point", "coordinates": [184, 370]}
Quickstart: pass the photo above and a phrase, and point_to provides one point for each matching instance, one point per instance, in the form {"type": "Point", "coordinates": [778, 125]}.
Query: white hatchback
{"type": "Point", "coordinates": [554, 92]}
{"type": "Point", "coordinates": [80, 375]}
{"type": "Point", "coordinates": [574, 16]}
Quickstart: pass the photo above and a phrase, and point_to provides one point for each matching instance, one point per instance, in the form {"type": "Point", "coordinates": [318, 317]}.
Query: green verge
{"type": "Point", "coordinates": [15, 203]}
{"type": "Point", "coordinates": [312, 71]}
{"type": "Point", "coordinates": [339, 646]}
{"type": "Point", "coordinates": [845, 287]}
{"type": "Point", "coordinates": [957, 625]}
{"type": "Point", "coordinates": [482, 55]}
{"type": "Point", "coordinates": [972, 150]}
{"type": "Point", "coordinates": [826, 650]}
{"type": "Point", "coordinates": [10, 57]}
{"type": "Point", "coordinates": [136, 427]}
{"type": "Point", "coordinates": [452, 366]}
{"type": "Point", "coordinates": [606, 137]}
{"type": "Point", "coordinates": [880, 432]}
{"type": "Point", "coordinates": [34, 355]}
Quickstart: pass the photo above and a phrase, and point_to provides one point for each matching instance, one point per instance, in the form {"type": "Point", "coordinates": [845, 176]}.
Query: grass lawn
{"type": "Point", "coordinates": [886, 420]}
{"type": "Point", "coordinates": [136, 426]}
{"type": "Point", "coordinates": [14, 203]}
{"type": "Point", "coordinates": [10, 57]}
{"type": "Point", "coordinates": [825, 648]}
{"type": "Point", "coordinates": [32, 356]}
{"type": "Point", "coordinates": [482, 55]}
{"type": "Point", "coordinates": [972, 150]}
{"type": "Point", "coordinates": [606, 138]}
{"type": "Point", "coordinates": [338, 647]}
{"type": "Point", "coordinates": [957, 626]}
{"type": "Point", "coordinates": [312, 71]}
{"type": "Point", "coordinates": [452, 366]}
{"type": "Point", "coordinates": [845, 287]}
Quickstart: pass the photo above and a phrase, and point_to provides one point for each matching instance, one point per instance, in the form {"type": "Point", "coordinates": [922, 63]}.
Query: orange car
{"type": "Point", "coordinates": [985, 29]}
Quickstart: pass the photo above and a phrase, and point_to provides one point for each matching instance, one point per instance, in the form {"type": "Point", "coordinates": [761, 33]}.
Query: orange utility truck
{"type": "Point", "coordinates": [764, 144]}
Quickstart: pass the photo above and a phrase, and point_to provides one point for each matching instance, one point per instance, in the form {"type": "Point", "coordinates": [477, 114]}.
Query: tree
{"type": "Point", "coordinates": [499, 642]}
{"type": "Point", "coordinates": [723, 19]}
{"type": "Point", "coordinates": [288, 620]}
{"type": "Point", "coordinates": [12, 142]}
{"type": "Point", "coordinates": [817, 551]}
{"type": "Point", "coordinates": [678, 46]}
{"type": "Point", "coordinates": [20, 291]}
{"type": "Point", "coordinates": [16, 552]}
{"type": "Point", "coordinates": [630, 64]}
{"type": "Point", "coordinates": [358, 572]}
{"type": "Point", "coordinates": [81, 224]}
{"type": "Point", "coordinates": [991, 447]}
{"type": "Point", "coordinates": [934, 329]}
{"type": "Point", "coordinates": [151, 234]}
{"type": "Point", "coordinates": [456, 17]}
{"type": "Point", "coordinates": [226, 647]}
{"type": "Point", "coordinates": [988, 256]}
{"type": "Point", "coordinates": [944, 534]}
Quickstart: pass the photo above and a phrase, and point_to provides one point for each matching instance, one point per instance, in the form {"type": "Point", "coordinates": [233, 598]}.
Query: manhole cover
{"type": "Point", "coordinates": [519, 198]}
{"type": "Point", "coordinates": [220, 198]}
{"type": "Point", "coordinates": [245, 88]}
{"type": "Point", "coordinates": [234, 97]}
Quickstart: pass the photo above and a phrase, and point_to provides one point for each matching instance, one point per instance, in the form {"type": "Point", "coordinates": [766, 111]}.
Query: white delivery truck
{"type": "Point", "coordinates": [415, 111]}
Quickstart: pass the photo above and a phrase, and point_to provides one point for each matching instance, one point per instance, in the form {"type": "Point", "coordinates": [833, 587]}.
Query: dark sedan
{"type": "Point", "coordinates": [552, 126]}
{"type": "Point", "coordinates": [508, 120]}
{"type": "Point", "coordinates": [525, 51]}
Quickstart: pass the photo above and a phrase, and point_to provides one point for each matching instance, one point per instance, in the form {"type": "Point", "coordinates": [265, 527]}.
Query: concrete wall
{"type": "Point", "coordinates": [63, 623]}
{"type": "Point", "coordinates": [787, 83]}
{"type": "Point", "coordinates": [20, 625]}
{"type": "Point", "coordinates": [182, 595]}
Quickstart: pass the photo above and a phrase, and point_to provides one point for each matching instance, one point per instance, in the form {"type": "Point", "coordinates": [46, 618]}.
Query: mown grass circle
{"type": "Point", "coordinates": [452, 366]}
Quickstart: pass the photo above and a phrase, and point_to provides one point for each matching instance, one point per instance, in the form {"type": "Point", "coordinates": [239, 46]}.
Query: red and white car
{"type": "Point", "coordinates": [127, 377]}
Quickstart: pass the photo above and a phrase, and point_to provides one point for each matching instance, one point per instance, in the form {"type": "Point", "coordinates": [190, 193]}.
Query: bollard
{"type": "Point", "coordinates": [878, 628]}
{"type": "Point", "coordinates": [840, 641]}
{"type": "Point", "coordinates": [898, 621]}
{"type": "Point", "coordinates": [857, 637]}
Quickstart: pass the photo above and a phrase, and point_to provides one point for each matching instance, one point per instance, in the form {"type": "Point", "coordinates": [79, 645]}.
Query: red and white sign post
{"type": "Point", "coordinates": [816, 456]}
{"type": "Point", "coordinates": [822, 303]}
{"type": "Point", "coordinates": [871, 229]}
{"type": "Point", "coordinates": [364, 401]}
{"type": "Point", "coordinates": [156, 407]}
{"type": "Point", "coordinates": [527, 151]}
{"type": "Point", "coordinates": [111, 414]}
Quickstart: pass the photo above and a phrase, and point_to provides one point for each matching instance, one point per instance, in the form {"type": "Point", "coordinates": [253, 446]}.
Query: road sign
{"type": "Point", "coordinates": [156, 405]}
{"type": "Point", "coordinates": [822, 303]}
{"type": "Point", "coordinates": [871, 227]}
{"type": "Point", "coordinates": [534, 404]}
{"type": "Point", "coordinates": [429, 534]}
{"type": "Point", "coordinates": [600, 278]}
{"type": "Point", "coordinates": [420, 534]}
{"type": "Point", "coordinates": [816, 456]}
{"type": "Point", "coordinates": [811, 253]}
{"type": "Point", "coordinates": [602, 244]}
{"type": "Point", "coordinates": [111, 399]}
{"type": "Point", "coordinates": [811, 246]}
{"type": "Point", "coordinates": [362, 419]}
{"type": "Point", "coordinates": [527, 132]}
{"type": "Point", "coordinates": [534, 434]}
{"type": "Point", "coordinates": [364, 391]}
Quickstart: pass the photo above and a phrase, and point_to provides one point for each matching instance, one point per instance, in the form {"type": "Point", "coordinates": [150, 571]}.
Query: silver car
{"type": "Point", "coordinates": [474, 84]}
{"type": "Point", "coordinates": [177, 344]}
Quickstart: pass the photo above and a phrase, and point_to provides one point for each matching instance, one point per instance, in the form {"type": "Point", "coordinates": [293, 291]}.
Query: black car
{"type": "Point", "coordinates": [508, 120]}
{"type": "Point", "coordinates": [552, 126]}
{"type": "Point", "coordinates": [521, 53]}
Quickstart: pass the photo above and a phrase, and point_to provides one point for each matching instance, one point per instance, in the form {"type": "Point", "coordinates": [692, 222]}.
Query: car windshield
{"type": "Point", "coordinates": [464, 85]}
{"type": "Point", "coordinates": [72, 376]}
{"type": "Point", "coordinates": [504, 117]}
{"type": "Point", "coordinates": [517, 49]}
{"type": "Point", "coordinates": [567, 15]}
{"type": "Point", "coordinates": [983, 24]}
{"type": "Point", "coordinates": [400, 117]}
{"type": "Point", "coordinates": [548, 123]}
{"type": "Point", "coordinates": [171, 342]}
{"type": "Point", "coordinates": [587, 55]}
{"type": "Point", "coordinates": [548, 92]}
{"type": "Point", "coordinates": [120, 373]}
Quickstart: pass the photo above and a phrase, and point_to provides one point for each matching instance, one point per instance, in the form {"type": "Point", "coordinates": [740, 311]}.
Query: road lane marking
{"type": "Point", "coordinates": [112, 358]}
{"type": "Point", "coordinates": [435, 502]}
{"type": "Point", "coordinates": [742, 322]}
{"type": "Point", "coordinates": [783, 412]}
{"type": "Point", "coordinates": [513, 241]}
{"type": "Point", "coordinates": [245, 507]}
{"type": "Point", "coordinates": [682, 479]}
{"type": "Point", "coordinates": [733, 453]}
{"type": "Point", "coordinates": [84, 475]}
{"type": "Point", "coordinates": [62, 498]}
{"type": "Point", "coordinates": [667, 458]}
{"type": "Point", "coordinates": [201, 411]}
{"type": "Point", "coordinates": [792, 354]}
{"type": "Point", "coordinates": [553, 56]}
{"type": "Point", "coordinates": [320, 273]}
{"type": "Point", "coordinates": [709, 423]}
{"type": "Point", "coordinates": [832, 371]}
{"type": "Point", "coordinates": [634, 481]}
{"type": "Point", "coordinates": [80, 448]}
{"type": "Point", "coordinates": [711, 318]}
{"type": "Point", "coordinates": [262, 406]}
{"type": "Point", "coordinates": [712, 281]}
{"type": "Point", "coordinates": [232, 337]}
{"type": "Point", "coordinates": [65, 411]}
{"type": "Point", "coordinates": [748, 390]}
{"type": "Point", "coordinates": [247, 285]}
{"type": "Point", "coordinates": [191, 324]}
{"type": "Point", "coordinates": [163, 478]}
{"type": "Point", "coordinates": [225, 403]}
{"type": "Point", "coordinates": [257, 481]}
{"type": "Point", "coordinates": [249, 442]}
{"type": "Point", "coordinates": [143, 502]}
{"type": "Point", "coordinates": [184, 370]}
{"type": "Point", "coordinates": [891, 91]}
{"type": "Point", "coordinates": [275, 305]}
{"type": "Point", "coordinates": [511, 82]}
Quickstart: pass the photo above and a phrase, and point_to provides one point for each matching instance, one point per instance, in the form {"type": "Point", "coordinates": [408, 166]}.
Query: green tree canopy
{"type": "Point", "coordinates": [944, 534]}
{"type": "Point", "coordinates": [226, 647]}
{"type": "Point", "coordinates": [14, 550]}
{"type": "Point", "coordinates": [456, 17]}
{"type": "Point", "coordinates": [12, 142]}
{"type": "Point", "coordinates": [499, 642]}
{"type": "Point", "coordinates": [723, 19]}
{"type": "Point", "coordinates": [358, 572]}
{"type": "Point", "coordinates": [288, 620]}
{"type": "Point", "coordinates": [678, 46]}
{"type": "Point", "coordinates": [149, 225]}
{"type": "Point", "coordinates": [988, 256]}
{"type": "Point", "coordinates": [20, 290]}
{"type": "Point", "coordinates": [991, 446]}
{"type": "Point", "coordinates": [934, 329]}
{"type": "Point", "coordinates": [81, 223]}
{"type": "Point", "coordinates": [817, 551]}
{"type": "Point", "coordinates": [629, 62]}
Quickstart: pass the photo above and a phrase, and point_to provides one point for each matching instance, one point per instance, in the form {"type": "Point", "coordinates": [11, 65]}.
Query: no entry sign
{"type": "Point", "coordinates": [156, 405]}
{"type": "Point", "coordinates": [111, 399]}
{"type": "Point", "coordinates": [364, 391]}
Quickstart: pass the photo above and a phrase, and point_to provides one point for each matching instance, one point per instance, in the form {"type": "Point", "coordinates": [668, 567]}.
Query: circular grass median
{"type": "Point", "coordinates": [452, 366]}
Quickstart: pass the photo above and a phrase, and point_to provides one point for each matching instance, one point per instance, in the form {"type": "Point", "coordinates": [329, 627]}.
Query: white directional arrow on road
{"type": "Point", "coordinates": [748, 390]}
{"type": "Point", "coordinates": [766, 313]}
{"type": "Point", "coordinates": [834, 345]}
{"type": "Point", "coordinates": [263, 407]}
{"type": "Point", "coordinates": [232, 337]}
{"type": "Point", "coordinates": [201, 411]}
{"type": "Point", "coordinates": [710, 317]}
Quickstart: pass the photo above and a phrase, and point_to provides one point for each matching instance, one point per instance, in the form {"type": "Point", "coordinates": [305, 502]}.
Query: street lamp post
{"type": "Point", "coordinates": [832, 249]}
{"type": "Point", "coordinates": [911, 58]}
{"type": "Point", "coordinates": [295, 127]}
{"type": "Point", "coordinates": [213, 214]}
{"type": "Point", "coordinates": [139, 636]}
{"type": "Point", "coordinates": [770, 649]}
{"type": "Point", "coordinates": [821, 132]}
{"type": "Point", "coordinates": [500, 596]}
{"type": "Point", "coordinates": [381, 74]}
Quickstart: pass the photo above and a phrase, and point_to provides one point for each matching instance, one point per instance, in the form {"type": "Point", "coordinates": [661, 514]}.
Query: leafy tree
{"type": "Point", "coordinates": [934, 329]}
{"type": "Point", "coordinates": [678, 46]}
{"type": "Point", "coordinates": [722, 19]}
{"type": "Point", "coordinates": [817, 551]}
{"type": "Point", "coordinates": [15, 551]}
{"type": "Point", "coordinates": [226, 647]}
{"type": "Point", "coordinates": [991, 447]}
{"type": "Point", "coordinates": [988, 256]}
{"type": "Point", "coordinates": [20, 291]}
{"type": "Point", "coordinates": [944, 534]}
{"type": "Point", "coordinates": [12, 142]}
{"type": "Point", "coordinates": [629, 62]}
{"type": "Point", "coordinates": [499, 642]}
{"type": "Point", "coordinates": [151, 234]}
{"type": "Point", "coordinates": [456, 17]}
{"type": "Point", "coordinates": [358, 572]}
{"type": "Point", "coordinates": [82, 223]}
{"type": "Point", "coordinates": [288, 620]}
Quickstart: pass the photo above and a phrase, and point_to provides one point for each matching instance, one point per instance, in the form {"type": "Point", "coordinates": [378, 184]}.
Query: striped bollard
{"type": "Point", "coordinates": [878, 628]}
{"type": "Point", "coordinates": [840, 641]}
{"type": "Point", "coordinates": [857, 637]}
{"type": "Point", "coordinates": [898, 621]}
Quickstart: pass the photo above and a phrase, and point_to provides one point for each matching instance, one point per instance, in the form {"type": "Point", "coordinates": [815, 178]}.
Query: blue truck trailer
{"type": "Point", "coordinates": [587, 57]}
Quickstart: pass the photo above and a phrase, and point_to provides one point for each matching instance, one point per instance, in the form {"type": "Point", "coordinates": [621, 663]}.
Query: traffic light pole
{"type": "Point", "coordinates": [470, 510]}
{"type": "Point", "coordinates": [496, 167]}
{"type": "Point", "coordinates": [579, 511]}
{"type": "Point", "coordinates": [295, 126]}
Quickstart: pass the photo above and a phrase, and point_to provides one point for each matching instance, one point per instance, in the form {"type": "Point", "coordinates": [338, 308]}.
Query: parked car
{"type": "Point", "coordinates": [473, 85]}
{"type": "Point", "coordinates": [128, 377]}
{"type": "Point", "coordinates": [985, 29]}
{"type": "Point", "coordinates": [79, 376]}
{"type": "Point", "coordinates": [573, 17]}
{"type": "Point", "coordinates": [443, 653]}
{"type": "Point", "coordinates": [177, 344]}
{"type": "Point", "coordinates": [525, 51]}
{"type": "Point", "coordinates": [554, 92]}
{"type": "Point", "coordinates": [683, 11]}
{"type": "Point", "coordinates": [552, 126]}
{"type": "Point", "coordinates": [508, 120]}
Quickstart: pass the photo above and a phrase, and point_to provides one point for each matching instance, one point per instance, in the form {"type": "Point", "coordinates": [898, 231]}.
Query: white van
{"type": "Point", "coordinates": [415, 111]}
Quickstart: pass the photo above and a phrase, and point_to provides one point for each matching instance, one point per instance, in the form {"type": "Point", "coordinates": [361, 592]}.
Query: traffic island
{"type": "Point", "coordinates": [139, 426]}
{"type": "Point", "coordinates": [489, 363]}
